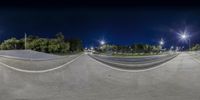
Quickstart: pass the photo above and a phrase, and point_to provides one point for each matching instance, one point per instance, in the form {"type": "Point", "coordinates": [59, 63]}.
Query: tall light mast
{"type": "Point", "coordinates": [25, 41]}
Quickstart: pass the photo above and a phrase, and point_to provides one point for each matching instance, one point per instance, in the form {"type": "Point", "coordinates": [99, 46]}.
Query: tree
{"type": "Point", "coordinates": [155, 49]}
{"type": "Point", "coordinates": [10, 44]}
{"type": "Point", "coordinates": [20, 44]}
{"type": "Point", "coordinates": [53, 46]}
{"type": "Point", "coordinates": [43, 45]}
{"type": "Point", "coordinates": [114, 48]}
{"type": "Point", "coordinates": [31, 41]}
{"type": "Point", "coordinates": [139, 48]}
{"type": "Point", "coordinates": [75, 45]}
{"type": "Point", "coordinates": [65, 47]}
{"type": "Point", "coordinates": [60, 37]}
{"type": "Point", "coordinates": [135, 48]}
{"type": "Point", "coordinates": [196, 47]}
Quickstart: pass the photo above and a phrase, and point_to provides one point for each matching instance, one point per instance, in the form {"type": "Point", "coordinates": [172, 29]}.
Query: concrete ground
{"type": "Point", "coordinates": [195, 54]}
{"type": "Point", "coordinates": [35, 65]}
{"type": "Point", "coordinates": [87, 79]}
{"type": "Point", "coordinates": [27, 55]}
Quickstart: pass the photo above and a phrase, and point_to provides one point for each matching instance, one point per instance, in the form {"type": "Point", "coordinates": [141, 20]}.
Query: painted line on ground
{"type": "Point", "coordinates": [142, 70]}
{"type": "Point", "coordinates": [33, 59]}
{"type": "Point", "coordinates": [41, 71]}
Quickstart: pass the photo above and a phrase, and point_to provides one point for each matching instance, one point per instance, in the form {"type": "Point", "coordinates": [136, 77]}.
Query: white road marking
{"type": "Point", "coordinates": [28, 59]}
{"type": "Point", "coordinates": [128, 70]}
{"type": "Point", "coordinates": [40, 71]}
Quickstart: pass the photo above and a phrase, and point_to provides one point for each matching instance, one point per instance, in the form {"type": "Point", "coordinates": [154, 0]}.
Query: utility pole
{"type": "Point", "coordinates": [25, 41]}
{"type": "Point", "coordinates": [189, 44]}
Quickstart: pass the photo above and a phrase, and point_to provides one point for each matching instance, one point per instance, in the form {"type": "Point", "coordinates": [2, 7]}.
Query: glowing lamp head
{"type": "Point", "coordinates": [183, 36]}
{"type": "Point", "coordinates": [161, 42]}
{"type": "Point", "coordinates": [92, 48]}
{"type": "Point", "coordinates": [102, 42]}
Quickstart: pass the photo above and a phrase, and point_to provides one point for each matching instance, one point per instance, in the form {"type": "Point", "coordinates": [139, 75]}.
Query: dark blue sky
{"type": "Point", "coordinates": [115, 25]}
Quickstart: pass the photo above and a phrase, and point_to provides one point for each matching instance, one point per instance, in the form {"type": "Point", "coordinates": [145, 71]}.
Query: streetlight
{"type": "Point", "coordinates": [25, 37]}
{"type": "Point", "coordinates": [162, 42]}
{"type": "Point", "coordinates": [172, 47]}
{"type": "Point", "coordinates": [102, 42]}
{"type": "Point", "coordinates": [92, 48]}
{"type": "Point", "coordinates": [184, 36]}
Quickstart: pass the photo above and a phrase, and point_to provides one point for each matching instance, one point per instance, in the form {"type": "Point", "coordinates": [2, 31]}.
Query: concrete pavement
{"type": "Point", "coordinates": [27, 55]}
{"type": "Point", "coordinates": [36, 65]}
{"type": "Point", "coordinates": [87, 79]}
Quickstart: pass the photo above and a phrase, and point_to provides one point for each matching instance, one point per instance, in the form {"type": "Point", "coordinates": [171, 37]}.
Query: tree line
{"type": "Point", "coordinates": [57, 45]}
{"type": "Point", "coordinates": [196, 47]}
{"type": "Point", "coordinates": [134, 48]}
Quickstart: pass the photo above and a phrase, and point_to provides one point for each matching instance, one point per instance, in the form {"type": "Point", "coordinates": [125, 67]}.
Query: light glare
{"type": "Point", "coordinates": [91, 48]}
{"type": "Point", "coordinates": [102, 42]}
{"type": "Point", "coordinates": [161, 42]}
{"type": "Point", "coordinates": [183, 36]}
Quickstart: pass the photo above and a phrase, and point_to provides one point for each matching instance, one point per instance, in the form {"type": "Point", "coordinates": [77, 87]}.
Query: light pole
{"type": "Point", "coordinates": [25, 41]}
{"type": "Point", "coordinates": [91, 48]}
{"type": "Point", "coordinates": [102, 42]}
{"type": "Point", "coordinates": [161, 44]}
{"type": "Point", "coordinates": [185, 37]}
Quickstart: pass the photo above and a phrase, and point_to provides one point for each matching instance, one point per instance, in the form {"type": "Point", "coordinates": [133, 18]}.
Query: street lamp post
{"type": "Point", "coordinates": [189, 44]}
{"type": "Point", "coordinates": [161, 44]}
{"type": "Point", "coordinates": [185, 37]}
{"type": "Point", "coordinates": [91, 48]}
{"type": "Point", "coordinates": [25, 41]}
{"type": "Point", "coordinates": [102, 42]}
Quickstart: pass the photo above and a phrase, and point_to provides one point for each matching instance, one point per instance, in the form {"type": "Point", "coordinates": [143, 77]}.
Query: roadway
{"type": "Point", "coordinates": [88, 79]}
{"type": "Point", "coordinates": [134, 59]}
{"type": "Point", "coordinates": [134, 63]}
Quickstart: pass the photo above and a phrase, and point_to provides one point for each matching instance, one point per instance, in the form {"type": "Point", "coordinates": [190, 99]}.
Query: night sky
{"type": "Point", "coordinates": [116, 25]}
